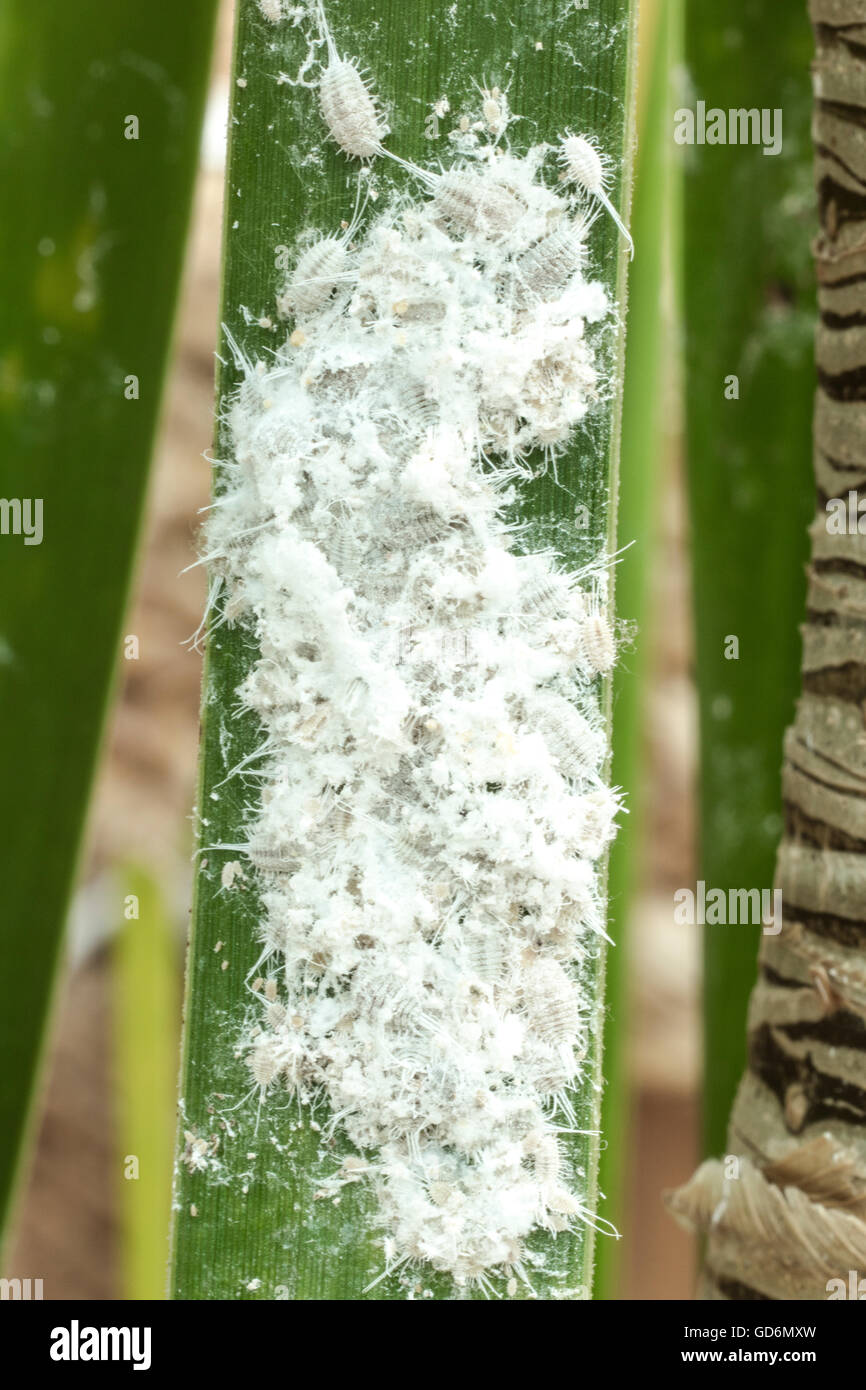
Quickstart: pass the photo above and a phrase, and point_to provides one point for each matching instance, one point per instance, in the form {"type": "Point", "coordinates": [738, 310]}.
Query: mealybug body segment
{"type": "Point", "coordinates": [575, 745]}
{"type": "Point", "coordinates": [471, 204]}
{"type": "Point", "coordinates": [271, 858]}
{"type": "Point", "coordinates": [487, 955]}
{"type": "Point", "coordinates": [553, 1075]}
{"type": "Point", "coordinates": [389, 1002]}
{"type": "Point", "coordinates": [315, 278]}
{"type": "Point", "coordinates": [547, 595]}
{"type": "Point", "coordinates": [543, 1149]}
{"type": "Point", "coordinates": [423, 527]}
{"type": "Point", "coordinates": [599, 809]}
{"type": "Point", "coordinates": [547, 269]}
{"type": "Point", "coordinates": [551, 1002]}
{"type": "Point", "coordinates": [416, 407]}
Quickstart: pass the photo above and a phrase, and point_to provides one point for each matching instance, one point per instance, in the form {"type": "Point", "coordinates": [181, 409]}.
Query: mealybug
{"type": "Point", "coordinates": [553, 1075]}
{"type": "Point", "coordinates": [546, 270]}
{"type": "Point", "coordinates": [315, 277]}
{"type": "Point", "coordinates": [543, 1149]}
{"type": "Point", "coordinates": [599, 646]}
{"type": "Point", "coordinates": [276, 1015]}
{"type": "Point", "coordinates": [350, 110]}
{"type": "Point", "coordinates": [264, 1063]}
{"type": "Point", "coordinates": [562, 1202]}
{"type": "Point", "coordinates": [320, 269]}
{"type": "Point", "coordinates": [551, 1002]}
{"type": "Point", "coordinates": [342, 544]}
{"type": "Point", "coordinates": [422, 527]}
{"type": "Point", "coordinates": [599, 808]}
{"type": "Point", "coordinates": [573, 742]}
{"type": "Point", "coordinates": [487, 954]}
{"type": "Point", "coordinates": [271, 858]}
{"type": "Point", "coordinates": [549, 595]}
{"type": "Point", "coordinates": [472, 203]}
{"type": "Point", "coordinates": [385, 999]}
{"type": "Point", "coordinates": [493, 109]}
{"type": "Point", "coordinates": [583, 164]}
{"type": "Point", "coordinates": [415, 405]}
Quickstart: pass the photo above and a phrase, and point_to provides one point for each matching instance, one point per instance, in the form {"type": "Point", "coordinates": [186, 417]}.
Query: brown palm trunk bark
{"type": "Point", "coordinates": [785, 1210]}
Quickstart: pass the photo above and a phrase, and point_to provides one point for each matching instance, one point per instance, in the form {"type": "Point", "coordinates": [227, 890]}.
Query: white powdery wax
{"type": "Point", "coordinates": [432, 802]}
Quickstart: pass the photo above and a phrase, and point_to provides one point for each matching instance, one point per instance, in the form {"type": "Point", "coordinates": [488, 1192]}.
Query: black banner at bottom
{"type": "Point", "coordinates": [60, 1340]}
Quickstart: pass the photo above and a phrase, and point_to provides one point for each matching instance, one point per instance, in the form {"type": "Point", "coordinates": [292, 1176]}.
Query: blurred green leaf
{"type": "Point", "coordinates": [90, 251]}
{"type": "Point", "coordinates": [749, 313]}
{"type": "Point", "coordinates": [146, 1034]}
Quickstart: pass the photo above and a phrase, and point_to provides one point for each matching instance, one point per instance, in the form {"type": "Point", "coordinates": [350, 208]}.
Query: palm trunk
{"type": "Point", "coordinates": [785, 1211]}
